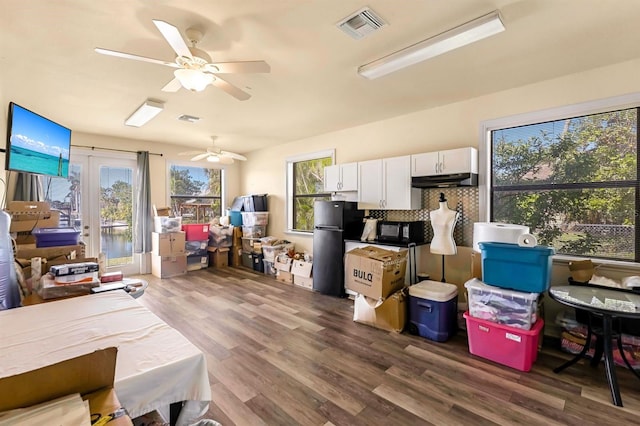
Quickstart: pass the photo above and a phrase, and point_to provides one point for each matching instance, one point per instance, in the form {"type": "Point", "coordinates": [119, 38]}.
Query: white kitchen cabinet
{"type": "Point", "coordinates": [448, 162]}
{"type": "Point", "coordinates": [341, 177]}
{"type": "Point", "coordinates": [386, 185]}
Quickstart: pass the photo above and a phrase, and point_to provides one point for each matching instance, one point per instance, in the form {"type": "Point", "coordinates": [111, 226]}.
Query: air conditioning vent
{"type": "Point", "coordinates": [361, 23]}
{"type": "Point", "coordinates": [189, 118]}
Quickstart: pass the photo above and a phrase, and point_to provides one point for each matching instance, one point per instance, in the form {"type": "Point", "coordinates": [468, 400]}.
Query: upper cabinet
{"type": "Point", "coordinates": [341, 177]}
{"type": "Point", "coordinates": [386, 185]}
{"type": "Point", "coordinates": [452, 161]}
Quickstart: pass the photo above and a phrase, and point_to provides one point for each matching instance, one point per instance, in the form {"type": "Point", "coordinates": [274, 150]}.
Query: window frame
{"type": "Point", "coordinates": [223, 185]}
{"type": "Point", "coordinates": [290, 184]}
{"type": "Point", "coordinates": [575, 110]}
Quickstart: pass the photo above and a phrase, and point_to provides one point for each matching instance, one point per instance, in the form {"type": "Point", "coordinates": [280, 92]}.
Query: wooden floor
{"type": "Point", "coordinates": [282, 355]}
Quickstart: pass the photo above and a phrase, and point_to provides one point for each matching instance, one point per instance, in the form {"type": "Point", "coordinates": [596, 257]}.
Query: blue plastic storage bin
{"type": "Point", "coordinates": [518, 268]}
{"type": "Point", "coordinates": [433, 310]}
{"type": "Point", "coordinates": [235, 217]}
{"type": "Point", "coordinates": [52, 237]}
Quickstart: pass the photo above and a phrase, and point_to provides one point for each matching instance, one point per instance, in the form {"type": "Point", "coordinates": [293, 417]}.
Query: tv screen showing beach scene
{"type": "Point", "coordinates": [36, 144]}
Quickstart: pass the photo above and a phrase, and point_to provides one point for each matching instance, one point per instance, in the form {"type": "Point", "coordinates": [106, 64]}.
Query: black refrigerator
{"type": "Point", "coordinates": [334, 222]}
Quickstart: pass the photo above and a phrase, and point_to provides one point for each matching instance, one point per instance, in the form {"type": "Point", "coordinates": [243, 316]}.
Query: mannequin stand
{"type": "Point", "coordinates": [442, 280]}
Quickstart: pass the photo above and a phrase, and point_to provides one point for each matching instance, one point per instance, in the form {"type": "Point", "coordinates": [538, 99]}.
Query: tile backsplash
{"type": "Point", "coordinates": [463, 199]}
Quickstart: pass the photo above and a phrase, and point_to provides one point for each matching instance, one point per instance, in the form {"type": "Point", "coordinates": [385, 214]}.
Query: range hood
{"type": "Point", "coordinates": [445, 181]}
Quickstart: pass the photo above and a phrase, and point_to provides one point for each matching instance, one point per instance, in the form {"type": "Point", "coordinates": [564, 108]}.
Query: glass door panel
{"type": "Point", "coordinates": [116, 214]}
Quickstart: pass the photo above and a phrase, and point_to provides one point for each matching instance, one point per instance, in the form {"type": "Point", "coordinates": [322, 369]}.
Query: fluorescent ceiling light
{"type": "Point", "coordinates": [478, 29]}
{"type": "Point", "coordinates": [146, 112]}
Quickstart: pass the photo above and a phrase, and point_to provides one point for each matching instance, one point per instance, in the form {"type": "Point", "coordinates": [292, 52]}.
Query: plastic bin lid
{"type": "Point", "coordinates": [434, 290]}
{"type": "Point", "coordinates": [476, 284]}
{"type": "Point", "coordinates": [496, 245]}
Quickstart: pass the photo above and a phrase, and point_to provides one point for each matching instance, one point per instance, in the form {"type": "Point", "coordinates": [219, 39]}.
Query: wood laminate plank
{"type": "Point", "coordinates": [280, 354]}
{"type": "Point", "coordinates": [340, 397]}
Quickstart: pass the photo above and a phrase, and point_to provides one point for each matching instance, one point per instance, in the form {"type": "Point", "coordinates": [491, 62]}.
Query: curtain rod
{"type": "Point", "coordinates": [112, 149]}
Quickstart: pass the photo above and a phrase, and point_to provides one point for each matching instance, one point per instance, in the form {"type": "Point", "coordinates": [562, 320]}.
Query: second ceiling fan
{"type": "Point", "coordinates": [214, 154]}
{"type": "Point", "coordinates": [194, 69]}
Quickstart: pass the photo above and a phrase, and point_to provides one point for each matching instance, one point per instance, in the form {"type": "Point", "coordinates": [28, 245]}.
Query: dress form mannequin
{"type": "Point", "coordinates": [443, 221]}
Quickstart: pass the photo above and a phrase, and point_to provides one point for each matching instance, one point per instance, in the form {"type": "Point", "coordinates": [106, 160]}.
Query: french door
{"type": "Point", "coordinates": [98, 199]}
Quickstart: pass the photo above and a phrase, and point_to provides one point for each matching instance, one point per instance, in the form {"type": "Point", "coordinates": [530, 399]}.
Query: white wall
{"type": "Point", "coordinates": [451, 126]}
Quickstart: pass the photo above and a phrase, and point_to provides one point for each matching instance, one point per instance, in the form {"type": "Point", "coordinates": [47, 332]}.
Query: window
{"type": "Point", "coordinates": [573, 180]}
{"type": "Point", "coordinates": [196, 193]}
{"type": "Point", "coordinates": [305, 184]}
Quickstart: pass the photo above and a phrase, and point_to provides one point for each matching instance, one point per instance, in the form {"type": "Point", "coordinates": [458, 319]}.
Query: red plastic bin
{"type": "Point", "coordinates": [196, 231]}
{"type": "Point", "coordinates": [513, 347]}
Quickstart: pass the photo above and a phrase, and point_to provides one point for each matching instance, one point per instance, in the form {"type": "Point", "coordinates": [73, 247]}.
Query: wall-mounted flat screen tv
{"type": "Point", "coordinates": [36, 144]}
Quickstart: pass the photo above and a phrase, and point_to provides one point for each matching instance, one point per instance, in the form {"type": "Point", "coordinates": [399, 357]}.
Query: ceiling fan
{"type": "Point", "coordinates": [214, 154]}
{"type": "Point", "coordinates": [195, 71]}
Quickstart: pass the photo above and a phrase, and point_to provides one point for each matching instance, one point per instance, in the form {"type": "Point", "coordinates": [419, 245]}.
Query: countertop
{"type": "Point", "coordinates": [386, 243]}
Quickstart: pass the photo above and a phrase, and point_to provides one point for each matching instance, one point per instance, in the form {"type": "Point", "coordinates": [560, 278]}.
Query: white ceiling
{"type": "Point", "coordinates": [48, 65]}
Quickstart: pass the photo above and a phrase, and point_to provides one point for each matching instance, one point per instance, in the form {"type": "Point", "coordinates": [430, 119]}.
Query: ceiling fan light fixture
{"type": "Point", "coordinates": [194, 80]}
{"type": "Point", "coordinates": [213, 159]}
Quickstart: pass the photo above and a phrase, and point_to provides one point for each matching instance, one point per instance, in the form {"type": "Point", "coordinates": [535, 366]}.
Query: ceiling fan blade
{"type": "Point", "coordinates": [190, 153]}
{"type": "Point", "coordinates": [240, 67]}
{"type": "Point", "coordinates": [173, 37]}
{"type": "Point", "coordinates": [172, 86]}
{"type": "Point", "coordinates": [233, 155]}
{"type": "Point", "coordinates": [135, 57]}
{"type": "Point", "coordinates": [230, 89]}
{"type": "Point", "coordinates": [200, 156]}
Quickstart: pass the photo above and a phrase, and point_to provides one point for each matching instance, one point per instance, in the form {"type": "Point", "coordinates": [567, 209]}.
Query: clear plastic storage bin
{"type": "Point", "coordinates": [255, 218]}
{"type": "Point", "coordinates": [509, 307]}
{"type": "Point", "coordinates": [254, 231]}
{"type": "Point", "coordinates": [167, 224]}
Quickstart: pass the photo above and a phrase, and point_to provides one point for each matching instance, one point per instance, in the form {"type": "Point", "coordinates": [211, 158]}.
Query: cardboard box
{"type": "Point", "coordinates": [236, 257]}
{"type": "Point", "coordinates": [388, 314]}
{"type": "Point", "coordinates": [301, 268]}
{"type": "Point", "coordinates": [168, 243]}
{"type": "Point", "coordinates": [283, 263]}
{"type": "Point", "coordinates": [168, 266]}
{"type": "Point", "coordinates": [219, 257]}
{"type": "Point", "coordinates": [375, 272]}
{"type": "Point", "coordinates": [51, 289]}
{"type": "Point", "coordinates": [89, 375]}
{"type": "Point", "coordinates": [476, 265]}
{"type": "Point", "coordinates": [26, 215]}
{"type": "Point", "coordinates": [50, 253]}
{"type": "Point", "coordinates": [306, 282]}
{"type": "Point", "coordinates": [284, 276]}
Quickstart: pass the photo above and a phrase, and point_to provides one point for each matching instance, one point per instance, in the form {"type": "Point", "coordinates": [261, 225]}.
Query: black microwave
{"type": "Point", "coordinates": [401, 232]}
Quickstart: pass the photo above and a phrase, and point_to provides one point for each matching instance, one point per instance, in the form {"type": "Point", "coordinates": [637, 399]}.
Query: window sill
{"type": "Point", "coordinates": [299, 233]}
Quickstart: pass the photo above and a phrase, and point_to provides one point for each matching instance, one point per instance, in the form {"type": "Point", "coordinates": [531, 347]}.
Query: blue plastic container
{"type": "Point", "coordinates": [235, 217]}
{"type": "Point", "coordinates": [53, 237]}
{"type": "Point", "coordinates": [433, 310]}
{"type": "Point", "coordinates": [517, 268]}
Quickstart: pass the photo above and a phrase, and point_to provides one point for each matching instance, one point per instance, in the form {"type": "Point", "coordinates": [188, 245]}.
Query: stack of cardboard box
{"type": "Point", "coordinates": [168, 256]}
{"type": "Point", "coordinates": [377, 275]}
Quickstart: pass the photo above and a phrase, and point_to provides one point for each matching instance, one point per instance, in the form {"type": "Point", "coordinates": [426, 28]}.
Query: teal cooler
{"type": "Point", "coordinates": [515, 267]}
{"type": "Point", "coordinates": [433, 310]}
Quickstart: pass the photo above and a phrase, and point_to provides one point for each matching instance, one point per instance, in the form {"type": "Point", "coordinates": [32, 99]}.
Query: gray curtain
{"type": "Point", "coordinates": [28, 187]}
{"type": "Point", "coordinates": [143, 221]}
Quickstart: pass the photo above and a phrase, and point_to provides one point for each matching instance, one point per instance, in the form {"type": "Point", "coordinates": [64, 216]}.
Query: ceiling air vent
{"type": "Point", "coordinates": [189, 118]}
{"type": "Point", "coordinates": [361, 23]}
